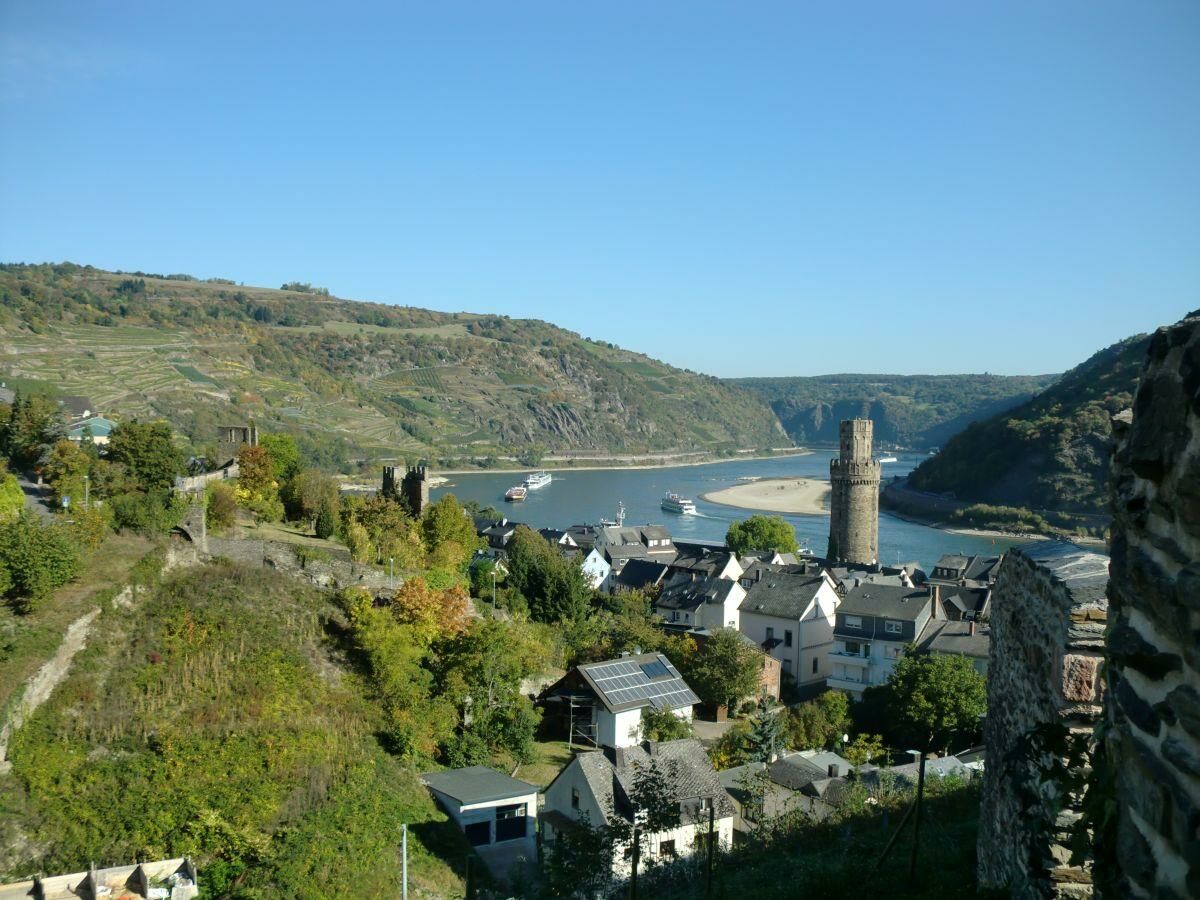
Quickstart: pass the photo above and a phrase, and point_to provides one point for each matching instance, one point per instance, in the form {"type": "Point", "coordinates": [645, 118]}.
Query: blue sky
{"type": "Point", "coordinates": [738, 188]}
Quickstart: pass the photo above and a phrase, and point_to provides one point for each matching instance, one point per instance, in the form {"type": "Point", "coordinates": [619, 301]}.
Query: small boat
{"type": "Point", "coordinates": [516, 492]}
{"type": "Point", "coordinates": [884, 459]}
{"type": "Point", "coordinates": [673, 502]}
{"type": "Point", "coordinates": [537, 480]}
{"type": "Point", "coordinates": [619, 521]}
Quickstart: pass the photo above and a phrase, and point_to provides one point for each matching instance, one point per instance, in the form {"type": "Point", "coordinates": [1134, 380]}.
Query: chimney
{"type": "Point", "coordinates": [971, 627]}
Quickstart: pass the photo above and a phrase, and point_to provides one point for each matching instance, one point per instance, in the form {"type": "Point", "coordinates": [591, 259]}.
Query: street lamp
{"type": "Point", "coordinates": [391, 573]}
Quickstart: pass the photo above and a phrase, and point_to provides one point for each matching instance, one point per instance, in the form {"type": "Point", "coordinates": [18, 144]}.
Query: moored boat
{"type": "Point", "coordinates": [676, 503]}
{"type": "Point", "coordinates": [516, 492]}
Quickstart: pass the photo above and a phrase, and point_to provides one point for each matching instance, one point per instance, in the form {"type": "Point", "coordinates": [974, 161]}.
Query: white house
{"type": "Point", "coordinates": [597, 570]}
{"type": "Point", "coordinates": [598, 786]}
{"type": "Point", "coordinates": [700, 602]}
{"type": "Point", "coordinates": [603, 702]}
{"type": "Point", "coordinates": [791, 616]}
{"type": "Point", "coordinates": [487, 805]}
{"type": "Point", "coordinates": [875, 622]}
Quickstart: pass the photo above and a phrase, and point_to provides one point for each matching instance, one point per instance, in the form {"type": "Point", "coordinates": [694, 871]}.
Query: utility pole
{"type": "Point", "coordinates": [912, 864]}
{"type": "Point", "coordinates": [86, 498]}
{"type": "Point", "coordinates": [712, 812]}
{"type": "Point", "coordinates": [633, 875]}
{"type": "Point", "coordinates": [391, 573]}
{"type": "Point", "coordinates": [493, 590]}
{"type": "Point", "coordinates": [404, 862]}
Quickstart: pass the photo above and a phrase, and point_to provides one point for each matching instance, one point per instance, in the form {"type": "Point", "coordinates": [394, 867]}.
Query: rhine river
{"type": "Point", "coordinates": [585, 497]}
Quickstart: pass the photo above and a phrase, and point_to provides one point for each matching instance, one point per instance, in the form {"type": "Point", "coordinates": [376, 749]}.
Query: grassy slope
{"type": "Point", "coordinates": [911, 410]}
{"type": "Point", "coordinates": [217, 719]}
{"type": "Point", "coordinates": [355, 378]}
{"type": "Point", "coordinates": [1049, 453]}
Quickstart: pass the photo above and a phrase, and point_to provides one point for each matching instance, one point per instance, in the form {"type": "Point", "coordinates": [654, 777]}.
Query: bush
{"type": "Point", "coordinates": [35, 558]}
{"type": "Point", "coordinates": [221, 511]}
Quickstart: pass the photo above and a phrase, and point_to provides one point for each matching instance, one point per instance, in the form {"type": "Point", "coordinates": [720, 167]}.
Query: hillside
{"type": "Point", "coordinates": [216, 716]}
{"type": "Point", "coordinates": [1050, 453]}
{"type": "Point", "coordinates": [908, 410]}
{"type": "Point", "coordinates": [353, 379]}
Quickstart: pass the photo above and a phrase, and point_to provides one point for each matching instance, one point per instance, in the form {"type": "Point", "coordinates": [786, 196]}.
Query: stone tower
{"type": "Point", "coordinates": [854, 503]}
{"type": "Point", "coordinates": [415, 489]}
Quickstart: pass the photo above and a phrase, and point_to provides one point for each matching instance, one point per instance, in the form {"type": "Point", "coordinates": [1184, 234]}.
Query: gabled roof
{"type": "Point", "coordinates": [782, 594]}
{"type": "Point", "coordinates": [684, 592]}
{"type": "Point", "coordinates": [641, 573]}
{"type": "Point", "coordinates": [795, 772]}
{"type": "Point", "coordinates": [477, 784]}
{"type": "Point", "coordinates": [556, 535]}
{"type": "Point", "coordinates": [955, 638]}
{"type": "Point", "coordinates": [612, 774]}
{"type": "Point", "coordinates": [706, 560]}
{"type": "Point", "coordinates": [98, 425]}
{"type": "Point", "coordinates": [635, 682]}
{"type": "Point", "coordinates": [885, 601]}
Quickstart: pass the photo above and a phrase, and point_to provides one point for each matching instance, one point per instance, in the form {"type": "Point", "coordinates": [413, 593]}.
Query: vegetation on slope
{"type": "Point", "coordinates": [909, 410]}
{"type": "Point", "coordinates": [352, 379]}
{"type": "Point", "coordinates": [1050, 453]}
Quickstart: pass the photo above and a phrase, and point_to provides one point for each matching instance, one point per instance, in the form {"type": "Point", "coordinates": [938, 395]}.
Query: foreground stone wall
{"type": "Point", "coordinates": [1154, 646]}
{"type": "Point", "coordinates": [1047, 629]}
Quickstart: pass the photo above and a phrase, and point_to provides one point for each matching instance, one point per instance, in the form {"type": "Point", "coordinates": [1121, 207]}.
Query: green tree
{"type": "Point", "coordinates": [934, 696]}
{"type": "Point", "coordinates": [761, 533]}
{"type": "Point", "coordinates": [866, 748]}
{"type": "Point", "coordinates": [305, 494]}
{"type": "Point", "coordinates": [554, 587]}
{"type": "Point", "coordinates": [445, 524]}
{"type": "Point", "coordinates": [326, 522]}
{"type": "Point", "coordinates": [765, 740]}
{"type": "Point", "coordinates": [34, 424]}
{"type": "Point", "coordinates": [664, 725]}
{"type": "Point", "coordinates": [147, 451]}
{"type": "Point", "coordinates": [12, 498]}
{"type": "Point", "coordinates": [65, 468]}
{"type": "Point", "coordinates": [820, 722]}
{"type": "Point", "coordinates": [36, 558]}
{"type": "Point", "coordinates": [221, 510]}
{"type": "Point", "coordinates": [579, 861]}
{"type": "Point", "coordinates": [725, 670]}
{"type": "Point", "coordinates": [283, 453]}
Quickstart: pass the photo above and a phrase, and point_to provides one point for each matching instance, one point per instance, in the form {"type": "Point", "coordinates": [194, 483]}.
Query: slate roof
{"type": "Point", "coordinates": [795, 772]}
{"type": "Point", "coordinates": [611, 776]}
{"type": "Point", "coordinates": [885, 601]}
{"type": "Point", "coordinates": [1084, 573]}
{"type": "Point", "coordinates": [955, 638]}
{"type": "Point", "coordinates": [953, 561]}
{"type": "Point", "coordinates": [583, 535]}
{"type": "Point", "coordinates": [781, 594]}
{"type": "Point", "coordinates": [477, 784]}
{"type": "Point", "coordinates": [965, 600]}
{"type": "Point", "coordinates": [826, 758]}
{"type": "Point", "coordinates": [641, 573]}
{"type": "Point", "coordinates": [635, 682]}
{"type": "Point", "coordinates": [554, 535]}
{"type": "Point", "coordinates": [684, 592]}
{"type": "Point", "coordinates": [705, 560]}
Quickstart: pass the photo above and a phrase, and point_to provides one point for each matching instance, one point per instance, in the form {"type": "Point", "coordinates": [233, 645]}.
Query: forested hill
{"type": "Point", "coordinates": [353, 379]}
{"type": "Point", "coordinates": [1050, 453]}
{"type": "Point", "coordinates": [908, 410]}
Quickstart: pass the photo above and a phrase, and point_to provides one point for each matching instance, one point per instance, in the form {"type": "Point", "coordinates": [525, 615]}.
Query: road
{"type": "Point", "coordinates": [35, 501]}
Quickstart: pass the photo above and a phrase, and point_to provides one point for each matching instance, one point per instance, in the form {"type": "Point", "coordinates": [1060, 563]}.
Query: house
{"type": "Point", "coordinates": [621, 543]}
{"type": "Point", "coordinates": [812, 782]}
{"type": "Point", "coordinates": [707, 602]}
{"type": "Point", "coordinates": [488, 806]}
{"type": "Point", "coordinates": [791, 616]}
{"type": "Point", "coordinates": [639, 575]}
{"type": "Point", "coordinates": [497, 536]}
{"type": "Point", "coordinates": [962, 585]}
{"type": "Point", "coordinates": [603, 702]}
{"type": "Point", "coordinates": [959, 638]}
{"type": "Point", "coordinates": [712, 561]}
{"type": "Point", "coordinates": [596, 569]}
{"type": "Point", "coordinates": [559, 538]}
{"type": "Point", "coordinates": [170, 879]}
{"type": "Point", "coordinates": [98, 427]}
{"type": "Point", "coordinates": [584, 536]}
{"type": "Point", "coordinates": [906, 776]}
{"type": "Point", "coordinates": [874, 624]}
{"type": "Point", "coordinates": [597, 786]}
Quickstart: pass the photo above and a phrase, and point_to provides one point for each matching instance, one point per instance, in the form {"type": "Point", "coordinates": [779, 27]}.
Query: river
{"type": "Point", "coordinates": [577, 497]}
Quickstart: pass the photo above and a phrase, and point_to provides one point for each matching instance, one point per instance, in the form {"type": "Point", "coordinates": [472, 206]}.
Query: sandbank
{"type": "Point", "coordinates": [797, 496]}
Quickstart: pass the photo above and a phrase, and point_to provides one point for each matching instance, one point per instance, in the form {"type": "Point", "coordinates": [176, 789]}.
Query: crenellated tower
{"type": "Point", "coordinates": [854, 501]}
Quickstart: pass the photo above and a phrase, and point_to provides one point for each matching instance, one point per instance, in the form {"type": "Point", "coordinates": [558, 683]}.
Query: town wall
{"type": "Point", "coordinates": [854, 498]}
{"type": "Point", "coordinates": [1153, 699]}
{"type": "Point", "coordinates": [1047, 636]}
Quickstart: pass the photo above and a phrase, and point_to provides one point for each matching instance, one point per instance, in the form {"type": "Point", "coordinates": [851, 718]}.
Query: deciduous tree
{"type": "Point", "coordinates": [148, 452]}
{"type": "Point", "coordinates": [725, 670]}
{"type": "Point", "coordinates": [761, 533]}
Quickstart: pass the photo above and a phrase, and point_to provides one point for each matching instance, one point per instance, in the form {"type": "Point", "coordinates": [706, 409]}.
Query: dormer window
{"type": "Point", "coordinates": [893, 627]}
{"type": "Point", "coordinates": [853, 621]}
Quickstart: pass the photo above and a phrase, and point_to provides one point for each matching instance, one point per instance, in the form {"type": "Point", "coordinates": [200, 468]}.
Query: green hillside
{"type": "Point", "coordinates": [353, 379]}
{"type": "Point", "coordinates": [1050, 453]}
{"type": "Point", "coordinates": [908, 410]}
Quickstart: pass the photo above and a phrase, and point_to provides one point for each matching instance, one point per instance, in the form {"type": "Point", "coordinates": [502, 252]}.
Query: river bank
{"type": "Point", "coordinates": [614, 464]}
{"type": "Point", "coordinates": [796, 496]}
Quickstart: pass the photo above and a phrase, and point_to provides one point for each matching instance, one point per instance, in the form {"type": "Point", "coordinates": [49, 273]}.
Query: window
{"type": "Point", "coordinates": [853, 648]}
{"type": "Point", "coordinates": [574, 798]}
{"type": "Point", "coordinates": [852, 621]}
{"type": "Point", "coordinates": [666, 849]}
{"type": "Point", "coordinates": [770, 633]}
{"type": "Point", "coordinates": [893, 627]}
{"type": "Point", "coordinates": [787, 638]}
{"type": "Point", "coordinates": [815, 661]}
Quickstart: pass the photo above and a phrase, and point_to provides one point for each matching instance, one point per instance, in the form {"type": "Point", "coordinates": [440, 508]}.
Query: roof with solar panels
{"type": "Point", "coordinates": [632, 682]}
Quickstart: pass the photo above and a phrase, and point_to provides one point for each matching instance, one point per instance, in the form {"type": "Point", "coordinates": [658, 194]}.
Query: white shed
{"type": "Point", "coordinates": [489, 806]}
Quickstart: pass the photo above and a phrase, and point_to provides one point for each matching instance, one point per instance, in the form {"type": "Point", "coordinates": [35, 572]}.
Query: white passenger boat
{"type": "Point", "coordinates": [673, 502]}
{"type": "Point", "coordinates": [884, 459]}
{"type": "Point", "coordinates": [537, 480]}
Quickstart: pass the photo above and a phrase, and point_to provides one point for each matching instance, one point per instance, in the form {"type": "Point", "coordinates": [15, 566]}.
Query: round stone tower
{"type": "Point", "coordinates": [854, 502]}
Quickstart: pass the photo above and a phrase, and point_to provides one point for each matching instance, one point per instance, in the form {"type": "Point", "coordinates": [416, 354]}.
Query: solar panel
{"type": "Point", "coordinates": [654, 670]}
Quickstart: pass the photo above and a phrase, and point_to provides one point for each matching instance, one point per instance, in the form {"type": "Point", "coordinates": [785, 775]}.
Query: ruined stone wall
{"type": "Point", "coordinates": [854, 497]}
{"type": "Point", "coordinates": [1153, 702]}
{"type": "Point", "coordinates": [1047, 635]}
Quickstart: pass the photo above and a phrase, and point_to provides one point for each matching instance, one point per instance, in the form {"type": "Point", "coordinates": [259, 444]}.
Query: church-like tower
{"type": "Point", "coordinates": [854, 502]}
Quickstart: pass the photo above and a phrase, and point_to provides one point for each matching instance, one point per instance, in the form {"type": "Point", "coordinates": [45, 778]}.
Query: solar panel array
{"type": "Point", "coordinates": [624, 682]}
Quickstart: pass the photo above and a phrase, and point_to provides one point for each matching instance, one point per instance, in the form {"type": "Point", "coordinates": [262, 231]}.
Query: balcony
{"type": "Point", "coordinates": [850, 659]}
{"type": "Point", "coordinates": [840, 683]}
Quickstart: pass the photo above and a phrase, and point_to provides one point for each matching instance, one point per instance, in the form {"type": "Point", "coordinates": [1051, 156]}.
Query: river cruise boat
{"type": "Point", "coordinates": [537, 480]}
{"type": "Point", "coordinates": [673, 502]}
{"type": "Point", "coordinates": [884, 459]}
{"type": "Point", "coordinates": [516, 492]}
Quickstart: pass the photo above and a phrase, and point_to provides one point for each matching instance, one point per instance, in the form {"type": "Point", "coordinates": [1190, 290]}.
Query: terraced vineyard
{"type": "Point", "coordinates": [355, 380]}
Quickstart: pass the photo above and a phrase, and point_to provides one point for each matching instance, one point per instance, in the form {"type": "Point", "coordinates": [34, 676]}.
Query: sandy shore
{"type": "Point", "coordinates": [799, 496]}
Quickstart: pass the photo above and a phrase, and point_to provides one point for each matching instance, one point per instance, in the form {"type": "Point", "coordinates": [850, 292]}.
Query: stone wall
{"type": "Point", "coordinates": [854, 497]}
{"type": "Point", "coordinates": [1153, 703]}
{"type": "Point", "coordinates": [1047, 637]}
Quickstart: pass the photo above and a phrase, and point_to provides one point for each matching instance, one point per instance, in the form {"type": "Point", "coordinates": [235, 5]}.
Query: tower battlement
{"type": "Point", "coordinates": [854, 498]}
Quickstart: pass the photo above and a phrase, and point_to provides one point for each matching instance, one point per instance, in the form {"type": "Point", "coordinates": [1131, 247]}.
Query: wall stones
{"type": "Point", "coordinates": [1048, 618]}
{"type": "Point", "coordinates": [1153, 703]}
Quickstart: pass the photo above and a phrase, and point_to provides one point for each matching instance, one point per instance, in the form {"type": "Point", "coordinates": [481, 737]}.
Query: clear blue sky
{"type": "Point", "coordinates": [739, 188]}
